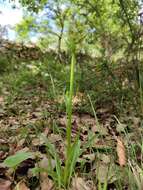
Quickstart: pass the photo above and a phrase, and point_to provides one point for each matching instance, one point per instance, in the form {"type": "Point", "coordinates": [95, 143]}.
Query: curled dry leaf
{"type": "Point", "coordinates": [121, 152]}
{"type": "Point", "coordinates": [5, 184]}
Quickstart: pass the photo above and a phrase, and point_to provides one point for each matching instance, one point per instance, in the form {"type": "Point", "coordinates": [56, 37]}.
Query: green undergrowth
{"type": "Point", "coordinates": [50, 79]}
{"type": "Point", "coordinates": [28, 86]}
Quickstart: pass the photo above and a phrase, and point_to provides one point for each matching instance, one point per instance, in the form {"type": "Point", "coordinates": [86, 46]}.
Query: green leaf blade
{"type": "Point", "coordinates": [14, 160]}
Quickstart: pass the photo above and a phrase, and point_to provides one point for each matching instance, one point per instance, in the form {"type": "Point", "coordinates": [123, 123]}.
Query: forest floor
{"type": "Point", "coordinates": [111, 160]}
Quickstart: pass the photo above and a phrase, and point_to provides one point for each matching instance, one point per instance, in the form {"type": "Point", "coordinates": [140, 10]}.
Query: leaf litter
{"type": "Point", "coordinates": [23, 129]}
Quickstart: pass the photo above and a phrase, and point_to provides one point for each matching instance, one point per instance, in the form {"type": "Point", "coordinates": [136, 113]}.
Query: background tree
{"type": "Point", "coordinates": [108, 30]}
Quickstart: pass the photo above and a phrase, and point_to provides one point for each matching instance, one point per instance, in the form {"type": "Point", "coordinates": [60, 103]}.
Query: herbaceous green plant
{"type": "Point", "coordinates": [15, 160]}
{"type": "Point", "coordinates": [69, 97]}
{"type": "Point", "coordinates": [59, 172]}
{"type": "Point", "coordinates": [72, 150]}
{"type": "Point", "coordinates": [62, 176]}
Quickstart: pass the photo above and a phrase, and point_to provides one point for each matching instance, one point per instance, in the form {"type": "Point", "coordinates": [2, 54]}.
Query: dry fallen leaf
{"type": "Point", "coordinates": [78, 183]}
{"type": "Point", "coordinates": [5, 184]}
{"type": "Point", "coordinates": [45, 182]}
{"type": "Point", "coordinates": [78, 98]}
{"type": "Point", "coordinates": [1, 99]}
{"type": "Point", "coordinates": [53, 138]}
{"type": "Point", "coordinates": [136, 122]}
{"type": "Point", "coordinates": [21, 186]}
{"type": "Point", "coordinates": [106, 172]}
{"type": "Point", "coordinates": [87, 120]}
{"type": "Point", "coordinates": [121, 152]}
{"type": "Point", "coordinates": [44, 162]}
{"type": "Point", "coordinates": [89, 157]}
